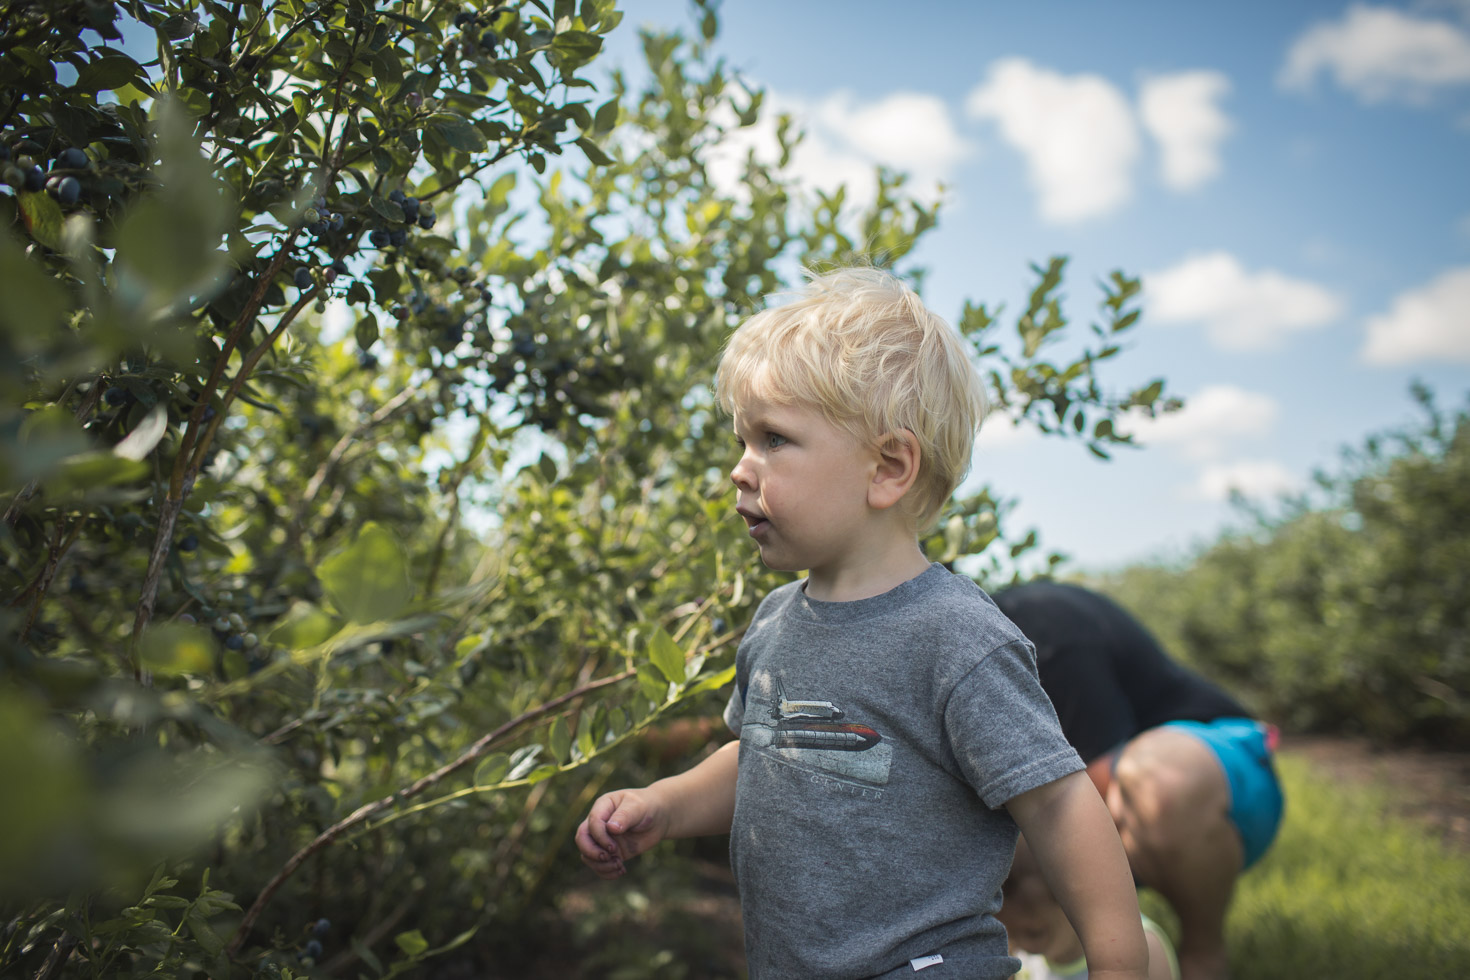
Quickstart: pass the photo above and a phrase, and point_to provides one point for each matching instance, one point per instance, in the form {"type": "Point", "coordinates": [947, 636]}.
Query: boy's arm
{"type": "Point", "coordinates": [627, 822]}
{"type": "Point", "coordinates": [1068, 828]}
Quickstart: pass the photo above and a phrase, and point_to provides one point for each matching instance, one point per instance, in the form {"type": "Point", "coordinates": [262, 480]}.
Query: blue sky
{"type": "Point", "coordinates": [1292, 180]}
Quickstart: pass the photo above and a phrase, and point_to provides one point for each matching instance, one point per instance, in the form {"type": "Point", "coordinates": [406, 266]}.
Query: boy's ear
{"type": "Point", "coordinates": [898, 468]}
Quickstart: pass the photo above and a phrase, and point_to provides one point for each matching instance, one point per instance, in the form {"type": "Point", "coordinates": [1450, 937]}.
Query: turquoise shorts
{"type": "Point", "coordinates": [1244, 749]}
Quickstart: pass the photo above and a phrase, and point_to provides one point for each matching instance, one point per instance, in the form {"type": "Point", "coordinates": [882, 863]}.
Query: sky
{"type": "Point", "coordinates": [1291, 181]}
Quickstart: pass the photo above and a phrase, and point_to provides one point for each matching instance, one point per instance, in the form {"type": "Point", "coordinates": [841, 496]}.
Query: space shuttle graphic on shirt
{"type": "Point", "coordinates": [817, 725]}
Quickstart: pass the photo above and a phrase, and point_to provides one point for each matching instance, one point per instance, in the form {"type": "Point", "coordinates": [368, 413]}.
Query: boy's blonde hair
{"type": "Point", "coordinates": [861, 347]}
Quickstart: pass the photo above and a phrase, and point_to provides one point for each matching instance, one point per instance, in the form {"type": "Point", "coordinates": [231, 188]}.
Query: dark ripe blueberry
{"type": "Point", "coordinates": [71, 159]}
{"type": "Point", "coordinates": [411, 210]}
{"type": "Point", "coordinates": [463, 17]}
{"type": "Point", "coordinates": [116, 397]}
{"type": "Point", "coordinates": [400, 312]}
{"type": "Point", "coordinates": [340, 266]}
{"type": "Point", "coordinates": [77, 584]}
{"type": "Point", "coordinates": [209, 413]}
{"type": "Point", "coordinates": [321, 927]}
{"type": "Point", "coordinates": [396, 196]}
{"type": "Point", "coordinates": [189, 542]}
{"type": "Point", "coordinates": [398, 236]}
{"type": "Point", "coordinates": [313, 948]}
{"type": "Point", "coordinates": [525, 346]}
{"type": "Point", "coordinates": [488, 41]}
{"type": "Point", "coordinates": [426, 221]}
{"type": "Point", "coordinates": [379, 238]}
{"type": "Point", "coordinates": [35, 179]}
{"type": "Point", "coordinates": [367, 362]}
{"type": "Point", "coordinates": [330, 275]}
{"type": "Point", "coordinates": [485, 295]}
{"type": "Point", "coordinates": [335, 222]}
{"type": "Point", "coordinates": [317, 228]}
{"type": "Point", "coordinates": [303, 278]}
{"type": "Point", "coordinates": [235, 642]}
{"type": "Point", "coordinates": [69, 191]}
{"type": "Point", "coordinates": [414, 100]}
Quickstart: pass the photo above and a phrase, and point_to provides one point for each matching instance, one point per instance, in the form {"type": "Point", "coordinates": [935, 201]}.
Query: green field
{"type": "Point", "coordinates": [1349, 892]}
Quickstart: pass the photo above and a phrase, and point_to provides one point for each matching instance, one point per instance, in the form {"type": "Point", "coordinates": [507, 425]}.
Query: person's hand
{"type": "Point", "coordinates": [621, 825]}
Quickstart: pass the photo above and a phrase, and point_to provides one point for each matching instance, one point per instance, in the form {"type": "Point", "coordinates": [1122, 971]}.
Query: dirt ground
{"type": "Point", "coordinates": [1430, 787]}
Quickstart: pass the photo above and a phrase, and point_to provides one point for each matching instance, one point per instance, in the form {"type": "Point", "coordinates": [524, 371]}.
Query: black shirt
{"type": "Point", "coordinates": [1107, 676]}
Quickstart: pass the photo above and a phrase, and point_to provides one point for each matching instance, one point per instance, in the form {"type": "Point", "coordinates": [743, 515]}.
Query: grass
{"type": "Point", "coordinates": [1348, 891]}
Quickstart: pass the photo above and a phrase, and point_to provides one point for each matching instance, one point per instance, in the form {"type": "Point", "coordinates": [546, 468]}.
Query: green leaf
{"type": "Point", "coordinates": [715, 681]}
{"type": "Point", "coordinates": [107, 72]}
{"type": "Point", "coordinates": [42, 218]}
{"type": "Point", "coordinates": [366, 955]}
{"type": "Point", "coordinates": [32, 302]}
{"type": "Point", "coordinates": [366, 331]}
{"type": "Point", "coordinates": [304, 626]}
{"type": "Point", "coordinates": [412, 942]}
{"type": "Point", "coordinates": [140, 442]}
{"type": "Point", "coordinates": [653, 686]}
{"type": "Point", "coordinates": [387, 209]}
{"type": "Point", "coordinates": [559, 740]}
{"type": "Point", "coordinates": [457, 131]}
{"type": "Point", "coordinates": [368, 580]}
{"type": "Point", "coordinates": [594, 152]}
{"type": "Point", "coordinates": [606, 117]}
{"type": "Point", "coordinates": [576, 48]}
{"type": "Point", "coordinates": [173, 649]}
{"type": "Point", "coordinates": [492, 769]}
{"type": "Point", "coordinates": [666, 656]}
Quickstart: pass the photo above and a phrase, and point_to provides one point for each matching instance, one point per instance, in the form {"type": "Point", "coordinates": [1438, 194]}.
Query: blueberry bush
{"type": "Point", "coordinates": [363, 489]}
{"type": "Point", "coordinates": [1346, 610]}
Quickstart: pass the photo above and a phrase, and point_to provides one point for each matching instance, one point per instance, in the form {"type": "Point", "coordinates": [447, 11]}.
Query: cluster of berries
{"type": "Point", "coordinates": [415, 212]}
{"type": "Point", "coordinates": [25, 173]}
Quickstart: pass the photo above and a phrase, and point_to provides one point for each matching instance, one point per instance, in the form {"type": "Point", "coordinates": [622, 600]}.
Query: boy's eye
{"type": "Point", "coordinates": [774, 441]}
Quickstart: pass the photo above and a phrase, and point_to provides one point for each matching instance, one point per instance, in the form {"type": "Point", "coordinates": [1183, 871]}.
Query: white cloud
{"type": "Point", "coordinates": [1077, 133]}
{"type": "Point", "coordinates": [1001, 432]}
{"type": "Point", "coordinates": [1379, 53]}
{"type": "Point", "coordinates": [1181, 112]}
{"type": "Point", "coordinates": [845, 140]}
{"type": "Point", "coordinates": [1252, 478]}
{"type": "Point", "coordinates": [1242, 310]}
{"type": "Point", "coordinates": [1211, 419]}
{"type": "Point", "coordinates": [1431, 322]}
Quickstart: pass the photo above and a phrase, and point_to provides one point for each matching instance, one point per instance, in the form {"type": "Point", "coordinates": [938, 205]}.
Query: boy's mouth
{"type": "Point", "coordinates": [753, 522]}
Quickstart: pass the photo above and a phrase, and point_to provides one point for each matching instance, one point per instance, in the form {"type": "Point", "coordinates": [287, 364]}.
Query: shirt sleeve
{"type": "Point", "coordinates": [1002, 729]}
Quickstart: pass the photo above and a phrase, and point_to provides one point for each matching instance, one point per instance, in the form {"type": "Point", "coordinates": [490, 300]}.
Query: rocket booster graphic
{"type": "Point", "coordinates": [824, 735]}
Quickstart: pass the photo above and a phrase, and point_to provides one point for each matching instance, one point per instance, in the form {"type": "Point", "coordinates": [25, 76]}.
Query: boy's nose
{"type": "Point", "coordinates": [742, 475]}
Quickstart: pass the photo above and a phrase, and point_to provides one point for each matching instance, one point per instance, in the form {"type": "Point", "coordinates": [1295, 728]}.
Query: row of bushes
{"type": "Point", "coordinates": [1348, 610]}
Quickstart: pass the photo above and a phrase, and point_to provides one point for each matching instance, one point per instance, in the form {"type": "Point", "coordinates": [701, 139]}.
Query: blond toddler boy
{"type": "Point", "coordinates": [893, 734]}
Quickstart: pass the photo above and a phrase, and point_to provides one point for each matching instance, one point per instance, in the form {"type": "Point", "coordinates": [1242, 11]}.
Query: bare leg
{"type": "Point", "coordinates": [1171, 802]}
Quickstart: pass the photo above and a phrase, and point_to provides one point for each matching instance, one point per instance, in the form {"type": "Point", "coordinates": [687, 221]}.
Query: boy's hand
{"type": "Point", "coordinates": [621, 825]}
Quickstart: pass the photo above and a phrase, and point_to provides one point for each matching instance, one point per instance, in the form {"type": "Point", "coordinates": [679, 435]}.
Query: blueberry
{"type": "Point", "coordinates": [317, 228]}
{"type": "Point", "coordinates": [330, 275]}
{"type": "Point", "coordinates": [367, 362]}
{"type": "Point", "coordinates": [313, 948]}
{"type": "Point", "coordinates": [379, 238]}
{"type": "Point", "coordinates": [321, 927]}
{"type": "Point", "coordinates": [35, 179]}
{"type": "Point", "coordinates": [69, 191]}
{"type": "Point", "coordinates": [340, 266]}
{"type": "Point", "coordinates": [411, 210]}
{"type": "Point", "coordinates": [117, 397]}
{"type": "Point", "coordinates": [71, 159]}
{"type": "Point", "coordinates": [398, 236]}
{"type": "Point", "coordinates": [335, 222]}
{"type": "Point", "coordinates": [14, 176]}
{"type": "Point", "coordinates": [463, 17]}
{"type": "Point", "coordinates": [209, 414]}
{"type": "Point", "coordinates": [488, 40]}
{"type": "Point", "coordinates": [426, 221]}
{"type": "Point", "coordinates": [235, 642]}
{"type": "Point", "coordinates": [303, 278]}
{"type": "Point", "coordinates": [189, 542]}
{"type": "Point", "coordinates": [222, 625]}
{"type": "Point", "coordinates": [396, 196]}
{"type": "Point", "coordinates": [414, 100]}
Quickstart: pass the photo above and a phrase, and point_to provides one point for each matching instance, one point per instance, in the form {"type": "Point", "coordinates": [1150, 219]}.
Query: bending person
{"type": "Point", "coordinates": [1186, 773]}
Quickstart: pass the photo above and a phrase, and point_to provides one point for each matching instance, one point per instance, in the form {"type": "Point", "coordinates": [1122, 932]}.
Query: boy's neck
{"type": "Point", "coordinates": [878, 569]}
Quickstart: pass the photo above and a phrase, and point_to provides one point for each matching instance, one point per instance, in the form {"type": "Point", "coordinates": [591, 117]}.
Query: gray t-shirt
{"type": "Point", "coordinates": [879, 742]}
